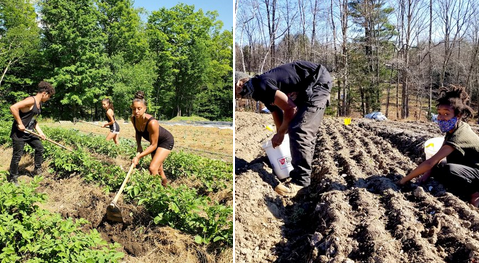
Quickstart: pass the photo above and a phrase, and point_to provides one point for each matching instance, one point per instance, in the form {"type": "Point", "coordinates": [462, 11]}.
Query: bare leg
{"type": "Point", "coordinates": [110, 136]}
{"type": "Point", "coordinates": [156, 165]}
{"type": "Point", "coordinates": [116, 138]}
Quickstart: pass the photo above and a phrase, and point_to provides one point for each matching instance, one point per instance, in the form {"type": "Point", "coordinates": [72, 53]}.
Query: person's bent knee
{"type": "Point", "coordinates": [154, 169]}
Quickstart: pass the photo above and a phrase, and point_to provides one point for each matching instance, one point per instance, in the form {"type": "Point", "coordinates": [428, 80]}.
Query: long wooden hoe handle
{"type": "Point", "coordinates": [124, 183]}
{"type": "Point", "coordinates": [52, 141]}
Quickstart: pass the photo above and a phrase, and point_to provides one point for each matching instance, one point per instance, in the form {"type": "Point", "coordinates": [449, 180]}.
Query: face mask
{"type": "Point", "coordinates": [446, 126]}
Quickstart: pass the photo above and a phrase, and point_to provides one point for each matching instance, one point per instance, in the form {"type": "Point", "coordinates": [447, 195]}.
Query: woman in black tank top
{"type": "Point", "coordinates": [161, 140]}
{"type": "Point", "coordinates": [23, 113]}
{"type": "Point", "coordinates": [107, 104]}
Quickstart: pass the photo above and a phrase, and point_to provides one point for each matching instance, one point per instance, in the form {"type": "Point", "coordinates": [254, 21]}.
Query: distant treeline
{"type": "Point", "coordinates": [384, 55]}
{"type": "Point", "coordinates": [89, 49]}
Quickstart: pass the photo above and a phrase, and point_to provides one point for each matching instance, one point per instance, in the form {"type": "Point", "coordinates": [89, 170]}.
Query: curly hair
{"type": "Point", "coordinates": [44, 86]}
{"type": "Point", "coordinates": [456, 97]}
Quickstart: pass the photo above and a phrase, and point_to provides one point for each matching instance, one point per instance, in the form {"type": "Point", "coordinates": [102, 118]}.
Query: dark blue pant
{"type": "Point", "coordinates": [18, 146]}
{"type": "Point", "coordinates": [458, 179]}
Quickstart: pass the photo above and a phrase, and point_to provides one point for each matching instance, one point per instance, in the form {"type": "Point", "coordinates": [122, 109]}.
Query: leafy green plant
{"type": "Point", "coordinates": [28, 233]}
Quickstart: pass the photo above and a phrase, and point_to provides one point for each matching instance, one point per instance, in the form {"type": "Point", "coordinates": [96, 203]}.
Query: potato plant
{"type": "Point", "coordinates": [181, 207]}
{"type": "Point", "coordinates": [30, 234]}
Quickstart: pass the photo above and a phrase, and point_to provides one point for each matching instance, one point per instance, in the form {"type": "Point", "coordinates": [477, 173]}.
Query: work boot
{"type": "Point", "coordinates": [289, 189]}
{"type": "Point", "coordinates": [13, 179]}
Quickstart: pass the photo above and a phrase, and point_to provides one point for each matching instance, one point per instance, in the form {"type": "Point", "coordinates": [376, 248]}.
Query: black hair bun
{"type": "Point", "coordinates": [140, 95]}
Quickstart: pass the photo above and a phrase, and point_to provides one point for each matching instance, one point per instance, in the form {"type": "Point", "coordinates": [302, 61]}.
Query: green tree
{"type": "Point", "coordinates": [182, 44]}
{"type": "Point", "coordinates": [371, 18]}
{"type": "Point", "coordinates": [74, 46]}
{"type": "Point", "coordinates": [215, 101]}
{"type": "Point", "coordinates": [19, 42]}
{"type": "Point", "coordinates": [127, 49]}
{"type": "Point", "coordinates": [19, 33]}
{"type": "Point", "coordinates": [128, 79]}
{"type": "Point", "coordinates": [124, 30]}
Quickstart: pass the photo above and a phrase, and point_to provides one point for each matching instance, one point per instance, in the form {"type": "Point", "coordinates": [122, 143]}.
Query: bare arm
{"type": "Point", "coordinates": [289, 111]}
{"type": "Point", "coordinates": [23, 105]}
{"type": "Point", "coordinates": [139, 148]}
{"type": "Point", "coordinates": [154, 130]}
{"type": "Point", "coordinates": [109, 114]}
{"type": "Point", "coordinates": [40, 132]}
{"type": "Point", "coordinates": [277, 119]}
{"type": "Point", "coordinates": [427, 165]}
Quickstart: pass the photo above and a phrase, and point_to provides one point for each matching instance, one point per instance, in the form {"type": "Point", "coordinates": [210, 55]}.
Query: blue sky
{"type": "Point", "coordinates": [223, 7]}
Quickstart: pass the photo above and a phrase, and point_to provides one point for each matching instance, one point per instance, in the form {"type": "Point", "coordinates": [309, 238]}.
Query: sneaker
{"type": "Point", "coordinates": [288, 189]}
{"type": "Point", "coordinates": [37, 171]}
{"type": "Point", "coordinates": [13, 179]}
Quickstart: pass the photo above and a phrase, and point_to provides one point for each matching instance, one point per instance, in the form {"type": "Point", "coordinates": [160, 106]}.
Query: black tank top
{"type": "Point", "coordinates": [146, 135]}
{"type": "Point", "coordinates": [107, 119]}
{"type": "Point", "coordinates": [27, 121]}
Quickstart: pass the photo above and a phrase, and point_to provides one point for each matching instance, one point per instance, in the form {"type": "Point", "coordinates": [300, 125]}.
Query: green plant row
{"type": "Point", "coordinates": [95, 143]}
{"type": "Point", "coordinates": [214, 174]}
{"type": "Point", "coordinates": [181, 208]}
{"type": "Point", "coordinates": [31, 234]}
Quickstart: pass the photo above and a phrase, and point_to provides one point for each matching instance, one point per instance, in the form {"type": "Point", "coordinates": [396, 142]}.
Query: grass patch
{"type": "Point", "coordinates": [189, 118]}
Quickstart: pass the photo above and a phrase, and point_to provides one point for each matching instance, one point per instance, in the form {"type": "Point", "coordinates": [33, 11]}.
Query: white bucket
{"type": "Point", "coordinates": [279, 157]}
{"type": "Point", "coordinates": [432, 146]}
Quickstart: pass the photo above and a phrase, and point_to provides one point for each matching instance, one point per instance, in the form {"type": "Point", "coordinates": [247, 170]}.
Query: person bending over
{"type": "Point", "coordinates": [161, 140]}
{"type": "Point", "coordinates": [297, 95]}
{"type": "Point", "coordinates": [24, 113]}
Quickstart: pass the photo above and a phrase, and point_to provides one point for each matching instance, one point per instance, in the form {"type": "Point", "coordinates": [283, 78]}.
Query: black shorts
{"type": "Point", "coordinates": [115, 128]}
{"type": "Point", "coordinates": [166, 140]}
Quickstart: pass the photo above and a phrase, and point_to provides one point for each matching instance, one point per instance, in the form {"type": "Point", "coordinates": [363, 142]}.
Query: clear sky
{"type": "Point", "coordinates": [223, 7]}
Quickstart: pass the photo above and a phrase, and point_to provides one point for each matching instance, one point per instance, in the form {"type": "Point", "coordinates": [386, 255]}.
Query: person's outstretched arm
{"type": "Point", "coordinates": [427, 165]}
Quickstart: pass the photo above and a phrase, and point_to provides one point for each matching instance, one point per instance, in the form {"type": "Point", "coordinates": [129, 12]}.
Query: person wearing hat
{"type": "Point", "coordinates": [297, 95]}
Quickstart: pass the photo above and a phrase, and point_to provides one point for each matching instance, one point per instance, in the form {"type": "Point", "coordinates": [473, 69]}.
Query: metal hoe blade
{"type": "Point", "coordinates": [113, 213]}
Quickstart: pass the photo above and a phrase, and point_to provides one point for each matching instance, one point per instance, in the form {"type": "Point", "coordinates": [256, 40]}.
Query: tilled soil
{"type": "Point", "coordinates": [353, 211]}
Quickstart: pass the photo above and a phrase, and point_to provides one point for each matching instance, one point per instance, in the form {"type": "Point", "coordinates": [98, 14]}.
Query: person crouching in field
{"type": "Point", "coordinates": [107, 105]}
{"type": "Point", "coordinates": [23, 113]}
{"type": "Point", "coordinates": [460, 173]}
{"type": "Point", "coordinates": [161, 140]}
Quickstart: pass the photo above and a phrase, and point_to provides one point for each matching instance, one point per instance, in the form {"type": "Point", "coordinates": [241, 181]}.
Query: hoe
{"type": "Point", "coordinates": [75, 120]}
{"type": "Point", "coordinates": [113, 212]}
{"type": "Point", "coordinates": [54, 142]}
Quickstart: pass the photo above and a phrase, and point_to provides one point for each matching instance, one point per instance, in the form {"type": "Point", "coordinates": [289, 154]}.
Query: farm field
{"type": "Point", "coordinates": [211, 142]}
{"type": "Point", "coordinates": [189, 221]}
{"type": "Point", "coordinates": [353, 211]}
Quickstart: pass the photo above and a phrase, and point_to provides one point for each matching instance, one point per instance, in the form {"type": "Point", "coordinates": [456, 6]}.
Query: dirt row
{"type": "Point", "coordinates": [353, 211]}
